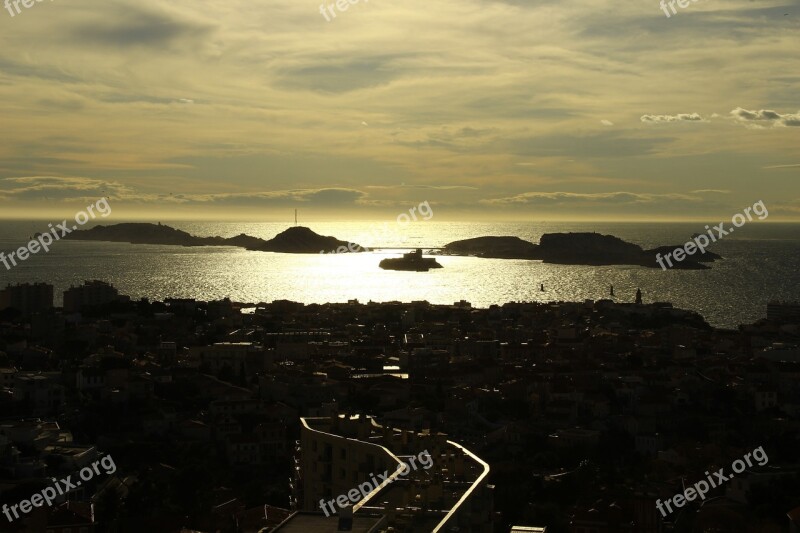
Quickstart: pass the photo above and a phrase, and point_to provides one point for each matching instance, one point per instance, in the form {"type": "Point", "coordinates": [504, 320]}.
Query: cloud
{"type": "Point", "coordinates": [46, 73]}
{"type": "Point", "coordinates": [681, 117]}
{"type": "Point", "coordinates": [435, 187]}
{"type": "Point", "coordinates": [754, 119]}
{"type": "Point", "coordinates": [616, 198]}
{"type": "Point", "coordinates": [287, 105]}
{"type": "Point", "coordinates": [601, 145]}
{"type": "Point", "coordinates": [128, 26]}
{"type": "Point", "coordinates": [624, 204]}
{"type": "Point", "coordinates": [791, 207]}
{"type": "Point", "coordinates": [52, 182]}
{"type": "Point", "coordinates": [338, 74]}
{"type": "Point", "coordinates": [59, 188]}
{"type": "Point", "coordinates": [453, 139]}
{"type": "Point", "coordinates": [766, 115]}
{"type": "Point", "coordinates": [330, 197]}
{"type": "Point", "coordinates": [69, 188]}
{"type": "Point", "coordinates": [795, 165]}
{"type": "Point", "coordinates": [744, 114]}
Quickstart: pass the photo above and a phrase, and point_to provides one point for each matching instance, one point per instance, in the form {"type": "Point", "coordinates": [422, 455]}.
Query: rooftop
{"type": "Point", "coordinates": [318, 522]}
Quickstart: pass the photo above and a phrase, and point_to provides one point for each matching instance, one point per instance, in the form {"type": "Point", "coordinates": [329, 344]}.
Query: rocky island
{"type": "Point", "coordinates": [295, 240]}
{"type": "Point", "coordinates": [412, 261]}
{"type": "Point", "coordinates": [494, 247]}
{"type": "Point", "coordinates": [574, 249]}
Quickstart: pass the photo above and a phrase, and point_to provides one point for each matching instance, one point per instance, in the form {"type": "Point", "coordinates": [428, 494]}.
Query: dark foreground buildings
{"type": "Point", "coordinates": [230, 417]}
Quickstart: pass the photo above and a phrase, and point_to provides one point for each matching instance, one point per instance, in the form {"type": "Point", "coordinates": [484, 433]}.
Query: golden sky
{"type": "Point", "coordinates": [512, 110]}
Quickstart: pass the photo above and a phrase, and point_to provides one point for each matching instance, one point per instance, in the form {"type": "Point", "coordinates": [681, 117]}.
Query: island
{"type": "Point", "coordinates": [412, 261]}
{"type": "Point", "coordinates": [574, 249]}
{"type": "Point", "coordinates": [295, 240]}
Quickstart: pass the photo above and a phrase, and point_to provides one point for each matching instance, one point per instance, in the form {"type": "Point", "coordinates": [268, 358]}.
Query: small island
{"type": "Point", "coordinates": [574, 249]}
{"type": "Point", "coordinates": [412, 261]}
{"type": "Point", "coordinates": [295, 240]}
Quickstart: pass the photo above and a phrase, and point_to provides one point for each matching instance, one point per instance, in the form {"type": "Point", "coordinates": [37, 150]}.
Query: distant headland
{"type": "Point", "coordinates": [295, 240]}
{"type": "Point", "coordinates": [573, 249]}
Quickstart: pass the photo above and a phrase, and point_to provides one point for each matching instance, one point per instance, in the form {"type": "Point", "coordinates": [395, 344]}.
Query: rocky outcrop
{"type": "Point", "coordinates": [295, 240]}
{"type": "Point", "coordinates": [574, 249]}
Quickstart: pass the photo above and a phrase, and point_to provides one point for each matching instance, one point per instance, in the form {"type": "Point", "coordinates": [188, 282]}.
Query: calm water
{"type": "Point", "coordinates": [760, 264]}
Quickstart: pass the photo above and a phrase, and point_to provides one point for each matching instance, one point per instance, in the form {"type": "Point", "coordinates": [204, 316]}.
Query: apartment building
{"type": "Point", "coordinates": [338, 453]}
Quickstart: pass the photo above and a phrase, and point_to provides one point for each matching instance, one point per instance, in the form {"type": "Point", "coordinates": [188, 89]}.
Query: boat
{"type": "Point", "coordinates": [412, 261]}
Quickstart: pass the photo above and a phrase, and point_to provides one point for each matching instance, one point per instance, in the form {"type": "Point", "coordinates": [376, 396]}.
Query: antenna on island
{"type": "Point", "coordinates": [295, 217]}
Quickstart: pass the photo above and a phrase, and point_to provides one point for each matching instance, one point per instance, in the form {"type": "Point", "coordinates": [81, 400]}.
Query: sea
{"type": "Point", "coordinates": [760, 264]}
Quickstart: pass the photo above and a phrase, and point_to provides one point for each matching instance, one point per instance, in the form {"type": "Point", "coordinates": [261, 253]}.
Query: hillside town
{"type": "Point", "coordinates": [237, 417]}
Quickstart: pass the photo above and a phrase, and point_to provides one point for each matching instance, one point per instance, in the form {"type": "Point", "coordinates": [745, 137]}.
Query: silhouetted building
{"type": "Point", "coordinates": [27, 297]}
{"type": "Point", "coordinates": [90, 294]}
{"type": "Point", "coordinates": [339, 457]}
{"type": "Point", "coordinates": [783, 311]}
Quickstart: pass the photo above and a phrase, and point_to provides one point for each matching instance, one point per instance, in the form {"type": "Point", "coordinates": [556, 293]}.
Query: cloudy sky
{"type": "Point", "coordinates": [488, 109]}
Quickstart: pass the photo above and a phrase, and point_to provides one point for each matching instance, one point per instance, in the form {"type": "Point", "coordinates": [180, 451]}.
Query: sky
{"type": "Point", "coordinates": [487, 109]}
